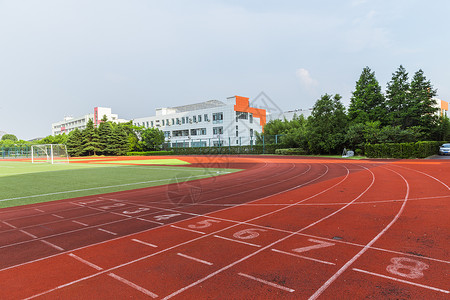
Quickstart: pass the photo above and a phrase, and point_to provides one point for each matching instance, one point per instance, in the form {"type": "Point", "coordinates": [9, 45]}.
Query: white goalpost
{"type": "Point", "coordinates": [49, 153]}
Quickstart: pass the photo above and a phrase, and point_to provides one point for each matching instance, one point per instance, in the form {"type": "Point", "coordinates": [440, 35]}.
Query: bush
{"type": "Point", "coordinates": [149, 153]}
{"type": "Point", "coordinates": [403, 150]}
{"type": "Point", "coordinates": [290, 151]}
{"type": "Point", "coordinates": [250, 149]}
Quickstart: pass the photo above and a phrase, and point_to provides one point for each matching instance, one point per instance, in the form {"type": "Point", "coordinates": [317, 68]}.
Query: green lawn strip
{"type": "Point", "coordinates": [8, 168]}
{"type": "Point", "coordinates": [62, 184]}
{"type": "Point", "coordinates": [147, 162]}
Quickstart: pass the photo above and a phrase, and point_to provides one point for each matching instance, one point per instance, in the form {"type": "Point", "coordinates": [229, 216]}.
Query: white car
{"type": "Point", "coordinates": [444, 149]}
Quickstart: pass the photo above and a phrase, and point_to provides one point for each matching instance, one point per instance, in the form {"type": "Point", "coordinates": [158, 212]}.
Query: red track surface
{"type": "Point", "coordinates": [282, 228]}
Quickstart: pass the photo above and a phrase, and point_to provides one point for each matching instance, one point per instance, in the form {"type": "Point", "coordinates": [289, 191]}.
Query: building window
{"type": "Point", "coordinates": [163, 122]}
{"type": "Point", "coordinates": [206, 117]}
{"type": "Point", "coordinates": [147, 124]}
{"type": "Point", "coordinates": [173, 121]}
{"type": "Point", "coordinates": [218, 130]}
{"type": "Point", "coordinates": [195, 119]}
{"type": "Point", "coordinates": [199, 117]}
{"type": "Point", "coordinates": [203, 131]}
{"type": "Point", "coordinates": [250, 117]}
{"type": "Point", "coordinates": [167, 134]}
{"type": "Point", "coordinates": [217, 118]}
{"type": "Point", "coordinates": [237, 133]}
{"type": "Point", "coordinates": [183, 120]}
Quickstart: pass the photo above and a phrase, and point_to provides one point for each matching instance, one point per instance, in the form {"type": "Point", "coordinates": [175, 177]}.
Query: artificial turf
{"type": "Point", "coordinates": [25, 183]}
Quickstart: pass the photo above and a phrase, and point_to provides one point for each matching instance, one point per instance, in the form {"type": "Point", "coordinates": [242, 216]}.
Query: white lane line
{"type": "Point", "coordinates": [39, 210]}
{"type": "Point", "coordinates": [195, 259]}
{"type": "Point", "coordinates": [57, 216]}
{"type": "Point", "coordinates": [52, 245]}
{"type": "Point", "coordinates": [29, 234]}
{"type": "Point", "coordinates": [403, 281]}
{"type": "Point", "coordinates": [6, 223]}
{"type": "Point", "coordinates": [141, 219]}
{"type": "Point", "coordinates": [191, 230]}
{"type": "Point", "coordinates": [107, 231]}
{"type": "Point", "coordinates": [282, 239]}
{"type": "Point", "coordinates": [366, 247]}
{"type": "Point", "coordinates": [133, 285]}
{"type": "Point", "coordinates": [183, 243]}
{"type": "Point", "coordinates": [236, 241]}
{"type": "Point", "coordinates": [304, 257]}
{"type": "Point", "coordinates": [85, 262]}
{"type": "Point", "coordinates": [80, 223]}
{"type": "Point", "coordinates": [267, 282]}
{"type": "Point", "coordinates": [144, 243]}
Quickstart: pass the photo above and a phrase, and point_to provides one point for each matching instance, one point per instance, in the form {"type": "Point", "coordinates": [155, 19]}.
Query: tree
{"type": "Point", "coordinates": [9, 137]}
{"type": "Point", "coordinates": [152, 139]}
{"type": "Point", "coordinates": [367, 102]}
{"type": "Point", "coordinates": [397, 98]}
{"type": "Point", "coordinates": [104, 133]}
{"type": "Point", "coordinates": [421, 109]}
{"type": "Point", "coordinates": [91, 144]}
{"type": "Point", "coordinates": [75, 143]}
{"type": "Point", "coordinates": [327, 125]}
{"type": "Point", "coordinates": [118, 141]}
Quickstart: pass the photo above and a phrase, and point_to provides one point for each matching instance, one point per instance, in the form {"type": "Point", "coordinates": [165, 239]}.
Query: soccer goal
{"type": "Point", "coordinates": [49, 153]}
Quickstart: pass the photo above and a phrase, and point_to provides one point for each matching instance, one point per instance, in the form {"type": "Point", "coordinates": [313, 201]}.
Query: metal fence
{"type": "Point", "coordinates": [263, 144]}
{"type": "Point", "coordinates": [16, 151]}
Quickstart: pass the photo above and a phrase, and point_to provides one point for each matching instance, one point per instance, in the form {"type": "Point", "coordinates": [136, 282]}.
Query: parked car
{"type": "Point", "coordinates": [444, 149]}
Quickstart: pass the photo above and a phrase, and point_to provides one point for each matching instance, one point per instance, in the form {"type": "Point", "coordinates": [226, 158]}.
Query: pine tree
{"type": "Point", "coordinates": [367, 103]}
{"type": "Point", "coordinates": [421, 111]}
{"type": "Point", "coordinates": [122, 140]}
{"type": "Point", "coordinates": [75, 143]}
{"type": "Point", "coordinates": [104, 132]}
{"type": "Point", "coordinates": [397, 98]}
{"type": "Point", "coordinates": [91, 144]}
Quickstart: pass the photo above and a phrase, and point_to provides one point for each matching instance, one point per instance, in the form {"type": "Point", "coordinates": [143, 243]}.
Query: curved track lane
{"type": "Point", "coordinates": [282, 228]}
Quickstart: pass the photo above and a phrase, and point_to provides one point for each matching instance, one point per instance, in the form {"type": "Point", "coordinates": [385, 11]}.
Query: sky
{"type": "Point", "coordinates": [63, 58]}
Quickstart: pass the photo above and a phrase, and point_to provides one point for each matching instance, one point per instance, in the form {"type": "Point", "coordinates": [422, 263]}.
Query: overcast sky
{"type": "Point", "coordinates": [64, 57]}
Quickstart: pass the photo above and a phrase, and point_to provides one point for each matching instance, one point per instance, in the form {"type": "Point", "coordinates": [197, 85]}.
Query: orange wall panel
{"type": "Point", "coordinates": [242, 104]}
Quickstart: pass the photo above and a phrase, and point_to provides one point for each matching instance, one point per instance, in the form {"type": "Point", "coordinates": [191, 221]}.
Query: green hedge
{"type": "Point", "coordinates": [255, 149]}
{"type": "Point", "coordinates": [149, 153]}
{"type": "Point", "coordinates": [402, 150]}
{"type": "Point", "coordinates": [290, 151]}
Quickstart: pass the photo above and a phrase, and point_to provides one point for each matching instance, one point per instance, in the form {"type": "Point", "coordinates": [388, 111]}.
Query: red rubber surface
{"type": "Point", "coordinates": [291, 228]}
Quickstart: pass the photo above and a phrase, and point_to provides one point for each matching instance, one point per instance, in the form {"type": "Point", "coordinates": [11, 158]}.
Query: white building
{"type": "Point", "coordinates": [209, 123]}
{"type": "Point", "coordinates": [289, 115]}
{"type": "Point", "coordinates": [442, 106]}
{"type": "Point", "coordinates": [70, 123]}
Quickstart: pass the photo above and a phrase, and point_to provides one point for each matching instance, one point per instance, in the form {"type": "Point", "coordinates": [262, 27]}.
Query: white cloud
{"type": "Point", "coordinates": [306, 80]}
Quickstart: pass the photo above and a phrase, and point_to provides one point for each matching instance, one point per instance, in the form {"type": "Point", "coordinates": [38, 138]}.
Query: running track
{"type": "Point", "coordinates": [283, 228]}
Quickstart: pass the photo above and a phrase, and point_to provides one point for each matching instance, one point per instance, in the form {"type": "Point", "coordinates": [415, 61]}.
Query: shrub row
{"type": "Point", "coordinates": [402, 150]}
{"type": "Point", "coordinates": [291, 151]}
{"type": "Point", "coordinates": [251, 149]}
{"type": "Point", "coordinates": [149, 153]}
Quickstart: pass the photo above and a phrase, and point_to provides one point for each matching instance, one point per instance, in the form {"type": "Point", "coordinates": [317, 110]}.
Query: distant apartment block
{"type": "Point", "coordinates": [442, 106]}
{"type": "Point", "coordinates": [70, 123]}
{"type": "Point", "coordinates": [211, 123]}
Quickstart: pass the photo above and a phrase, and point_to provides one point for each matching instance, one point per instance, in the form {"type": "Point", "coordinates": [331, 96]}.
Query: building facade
{"type": "Point", "coordinates": [211, 123]}
{"type": "Point", "coordinates": [443, 107]}
{"type": "Point", "coordinates": [70, 123]}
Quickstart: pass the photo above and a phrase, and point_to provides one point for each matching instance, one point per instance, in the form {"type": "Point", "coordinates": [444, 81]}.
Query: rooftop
{"type": "Point", "coordinates": [197, 106]}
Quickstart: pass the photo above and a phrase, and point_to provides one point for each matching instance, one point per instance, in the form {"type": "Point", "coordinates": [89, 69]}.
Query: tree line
{"type": "Point", "coordinates": [108, 138]}
{"type": "Point", "coordinates": [112, 139]}
{"type": "Point", "coordinates": [406, 112]}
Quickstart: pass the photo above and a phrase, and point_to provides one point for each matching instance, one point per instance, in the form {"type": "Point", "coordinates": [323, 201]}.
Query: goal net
{"type": "Point", "coordinates": [49, 153]}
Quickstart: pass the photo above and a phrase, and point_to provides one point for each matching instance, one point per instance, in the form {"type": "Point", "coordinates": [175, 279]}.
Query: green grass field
{"type": "Point", "coordinates": [25, 183]}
